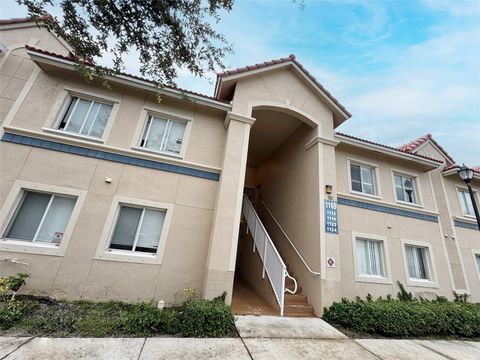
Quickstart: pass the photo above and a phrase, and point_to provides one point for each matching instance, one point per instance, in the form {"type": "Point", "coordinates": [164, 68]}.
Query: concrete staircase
{"type": "Point", "coordinates": [296, 305]}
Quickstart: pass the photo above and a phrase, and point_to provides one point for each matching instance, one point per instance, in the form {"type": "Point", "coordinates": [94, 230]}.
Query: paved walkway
{"type": "Point", "coordinates": [261, 338]}
{"type": "Point", "coordinates": [246, 301]}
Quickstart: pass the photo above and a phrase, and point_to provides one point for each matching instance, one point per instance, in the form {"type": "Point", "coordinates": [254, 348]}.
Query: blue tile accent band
{"type": "Point", "coordinates": [387, 209]}
{"type": "Point", "coordinates": [465, 225]}
{"type": "Point", "coordinates": [104, 155]}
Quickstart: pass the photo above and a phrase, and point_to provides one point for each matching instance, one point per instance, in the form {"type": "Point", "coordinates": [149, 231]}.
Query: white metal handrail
{"type": "Point", "coordinates": [273, 264]}
{"type": "Point", "coordinates": [294, 283]}
{"type": "Point", "coordinates": [314, 273]}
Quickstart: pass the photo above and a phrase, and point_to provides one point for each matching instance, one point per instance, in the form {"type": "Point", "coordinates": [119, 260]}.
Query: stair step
{"type": "Point", "coordinates": [295, 298]}
{"type": "Point", "coordinates": [299, 315]}
{"type": "Point", "coordinates": [299, 309]}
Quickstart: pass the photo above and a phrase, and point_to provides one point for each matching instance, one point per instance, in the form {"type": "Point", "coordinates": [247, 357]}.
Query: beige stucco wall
{"type": "Point", "coordinates": [430, 150]}
{"type": "Point", "coordinates": [293, 178]}
{"type": "Point", "coordinates": [15, 66]}
{"type": "Point", "coordinates": [201, 244]}
{"type": "Point", "coordinates": [285, 90]}
{"type": "Point", "coordinates": [393, 229]}
{"type": "Point", "coordinates": [289, 185]}
{"type": "Point", "coordinates": [466, 240]}
{"type": "Point", "coordinates": [18, 35]}
{"type": "Point", "coordinates": [451, 246]}
{"type": "Point", "coordinates": [47, 96]}
{"type": "Point", "coordinates": [77, 274]}
{"type": "Point", "coordinates": [469, 244]}
{"type": "Point", "coordinates": [385, 167]}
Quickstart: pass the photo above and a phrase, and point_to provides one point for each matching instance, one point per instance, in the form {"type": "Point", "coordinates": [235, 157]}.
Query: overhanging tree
{"type": "Point", "coordinates": [167, 34]}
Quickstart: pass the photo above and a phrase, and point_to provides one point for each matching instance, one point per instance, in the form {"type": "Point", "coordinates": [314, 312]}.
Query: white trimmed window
{"type": "Point", "coordinates": [417, 262]}
{"type": "Point", "coordinates": [137, 229]}
{"type": "Point", "coordinates": [477, 258]}
{"type": "Point", "coordinates": [85, 117]}
{"type": "Point", "coordinates": [163, 135]}
{"type": "Point", "coordinates": [40, 217]}
{"type": "Point", "coordinates": [465, 202]}
{"type": "Point", "coordinates": [405, 188]}
{"type": "Point", "coordinates": [370, 257]}
{"type": "Point", "coordinates": [362, 178]}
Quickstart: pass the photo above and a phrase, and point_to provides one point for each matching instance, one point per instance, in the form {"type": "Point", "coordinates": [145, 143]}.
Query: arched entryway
{"type": "Point", "coordinates": [282, 183]}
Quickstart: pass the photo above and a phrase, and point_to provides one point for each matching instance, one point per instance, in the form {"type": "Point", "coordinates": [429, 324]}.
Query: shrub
{"type": "Point", "coordinates": [143, 319]}
{"type": "Point", "coordinates": [98, 319]}
{"type": "Point", "coordinates": [460, 297]}
{"type": "Point", "coordinates": [50, 318]}
{"type": "Point", "coordinates": [403, 295]}
{"type": "Point", "coordinates": [412, 318]}
{"type": "Point", "coordinates": [202, 318]}
{"type": "Point", "coordinates": [29, 315]}
{"type": "Point", "coordinates": [13, 311]}
{"type": "Point", "coordinates": [10, 285]}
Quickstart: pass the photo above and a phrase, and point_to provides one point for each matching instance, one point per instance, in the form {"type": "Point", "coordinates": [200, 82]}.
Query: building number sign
{"type": "Point", "coordinates": [331, 218]}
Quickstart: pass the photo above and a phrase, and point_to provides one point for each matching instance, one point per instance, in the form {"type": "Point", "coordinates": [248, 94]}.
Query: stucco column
{"type": "Point", "coordinates": [331, 278]}
{"type": "Point", "coordinates": [220, 266]}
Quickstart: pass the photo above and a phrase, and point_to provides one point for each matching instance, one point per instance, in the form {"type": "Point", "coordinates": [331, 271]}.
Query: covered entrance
{"type": "Point", "coordinates": [279, 220]}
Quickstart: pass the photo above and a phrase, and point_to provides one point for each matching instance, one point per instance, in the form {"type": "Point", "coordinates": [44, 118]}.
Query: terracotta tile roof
{"type": "Point", "coordinates": [413, 145]}
{"type": "Point", "coordinates": [256, 66]}
{"type": "Point", "coordinates": [388, 147]}
{"type": "Point", "coordinates": [70, 57]}
{"type": "Point", "coordinates": [290, 58]}
{"type": "Point", "coordinates": [475, 169]}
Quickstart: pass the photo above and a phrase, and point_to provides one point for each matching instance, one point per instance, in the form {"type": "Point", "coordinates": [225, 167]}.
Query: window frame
{"type": "Point", "coordinates": [61, 107]}
{"type": "Point", "coordinates": [105, 253]}
{"type": "Point", "coordinates": [168, 127]}
{"type": "Point", "coordinates": [376, 182]}
{"type": "Point", "coordinates": [11, 207]}
{"type": "Point", "coordinates": [46, 212]}
{"type": "Point", "coordinates": [465, 189]}
{"type": "Point", "coordinates": [416, 188]}
{"type": "Point", "coordinates": [386, 278]}
{"type": "Point", "coordinates": [476, 253]}
{"type": "Point", "coordinates": [137, 230]}
{"type": "Point", "coordinates": [155, 112]}
{"type": "Point", "coordinates": [432, 282]}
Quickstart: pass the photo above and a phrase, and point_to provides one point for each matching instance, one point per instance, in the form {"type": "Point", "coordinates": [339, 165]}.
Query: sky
{"type": "Point", "coordinates": [402, 68]}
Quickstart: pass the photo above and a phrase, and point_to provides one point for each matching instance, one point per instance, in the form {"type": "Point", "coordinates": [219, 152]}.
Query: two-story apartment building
{"type": "Point", "coordinates": [110, 194]}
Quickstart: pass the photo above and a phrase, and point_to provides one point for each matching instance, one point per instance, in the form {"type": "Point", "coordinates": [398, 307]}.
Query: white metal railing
{"type": "Point", "coordinates": [314, 273]}
{"type": "Point", "coordinates": [273, 264]}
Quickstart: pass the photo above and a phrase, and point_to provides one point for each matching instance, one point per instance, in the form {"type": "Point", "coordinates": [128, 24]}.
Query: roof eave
{"type": "Point", "coordinates": [17, 25]}
{"type": "Point", "coordinates": [454, 170]}
{"type": "Point", "coordinates": [126, 80]}
{"type": "Point", "coordinates": [394, 153]}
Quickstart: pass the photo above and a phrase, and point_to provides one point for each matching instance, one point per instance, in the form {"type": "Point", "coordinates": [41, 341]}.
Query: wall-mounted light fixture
{"type": "Point", "coordinates": [328, 189]}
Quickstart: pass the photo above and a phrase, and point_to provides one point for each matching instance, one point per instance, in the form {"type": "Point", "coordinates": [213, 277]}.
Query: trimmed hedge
{"type": "Point", "coordinates": [28, 315]}
{"type": "Point", "coordinates": [206, 318]}
{"type": "Point", "coordinates": [413, 318]}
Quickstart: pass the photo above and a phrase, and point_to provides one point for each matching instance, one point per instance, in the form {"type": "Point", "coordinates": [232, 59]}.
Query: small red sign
{"type": "Point", "coordinates": [330, 262]}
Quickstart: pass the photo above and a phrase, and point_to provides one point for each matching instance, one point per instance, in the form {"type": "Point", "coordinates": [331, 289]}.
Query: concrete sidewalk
{"type": "Point", "coordinates": [232, 348]}
{"type": "Point", "coordinates": [261, 338]}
